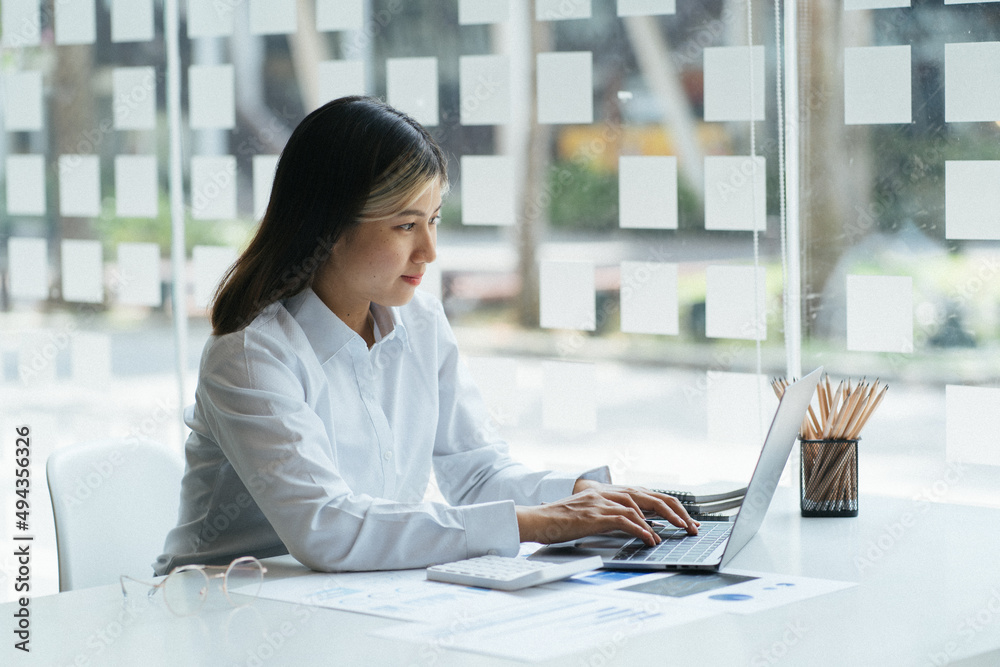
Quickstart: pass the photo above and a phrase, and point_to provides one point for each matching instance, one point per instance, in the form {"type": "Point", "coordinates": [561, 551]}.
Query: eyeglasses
{"type": "Point", "coordinates": [185, 589]}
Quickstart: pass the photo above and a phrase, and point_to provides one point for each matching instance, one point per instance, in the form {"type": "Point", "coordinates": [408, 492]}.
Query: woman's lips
{"type": "Point", "coordinates": [413, 280]}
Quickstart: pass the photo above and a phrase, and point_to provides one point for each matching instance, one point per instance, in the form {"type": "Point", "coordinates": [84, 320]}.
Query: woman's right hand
{"type": "Point", "coordinates": [587, 513]}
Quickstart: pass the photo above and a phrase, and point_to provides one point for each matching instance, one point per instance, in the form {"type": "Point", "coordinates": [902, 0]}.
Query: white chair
{"type": "Point", "coordinates": [113, 504]}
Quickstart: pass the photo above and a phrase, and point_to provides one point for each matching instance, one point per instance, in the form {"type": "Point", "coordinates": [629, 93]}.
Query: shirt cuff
{"type": "Point", "coordinates": [558, 485]}
{"type": "Point", "coordinates": [491, 529]}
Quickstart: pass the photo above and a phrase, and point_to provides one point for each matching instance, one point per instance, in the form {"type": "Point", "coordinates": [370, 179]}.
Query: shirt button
{"type": "Point", "coordinates": [387, 456]}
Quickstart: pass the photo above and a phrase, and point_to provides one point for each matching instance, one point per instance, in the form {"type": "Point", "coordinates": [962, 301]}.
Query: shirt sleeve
{"type": "Point", "coordinates": [471, 463]}
{"type": "Point", "coordinates": [255, 407]}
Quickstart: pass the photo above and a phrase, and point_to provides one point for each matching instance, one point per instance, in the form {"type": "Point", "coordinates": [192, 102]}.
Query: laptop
{"type": "Point", "coordinates": [717, 541]}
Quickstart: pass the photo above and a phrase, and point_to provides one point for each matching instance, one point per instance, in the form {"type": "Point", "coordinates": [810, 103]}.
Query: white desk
{"type": "Point", "coordinates": [929, 594]}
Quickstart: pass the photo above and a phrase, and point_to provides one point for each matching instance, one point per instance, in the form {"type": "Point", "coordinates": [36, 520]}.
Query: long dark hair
{"type": "Point", "coordinates": [353, 159]}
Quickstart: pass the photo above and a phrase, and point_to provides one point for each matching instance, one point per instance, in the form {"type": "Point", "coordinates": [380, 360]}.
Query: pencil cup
{"type": "Point", "coordinates": [829, 477]}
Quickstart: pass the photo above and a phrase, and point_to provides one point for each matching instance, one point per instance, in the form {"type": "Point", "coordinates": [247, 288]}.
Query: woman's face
{"type": "Point", "coordinates": [382, 261]}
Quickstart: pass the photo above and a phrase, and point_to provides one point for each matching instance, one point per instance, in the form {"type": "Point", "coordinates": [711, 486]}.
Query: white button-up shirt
{"type": "Point", "coordinates": [304, 440]}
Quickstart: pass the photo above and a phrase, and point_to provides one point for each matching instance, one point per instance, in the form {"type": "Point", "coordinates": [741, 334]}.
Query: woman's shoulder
{"type": "Point", "coordinates": [273, 331]}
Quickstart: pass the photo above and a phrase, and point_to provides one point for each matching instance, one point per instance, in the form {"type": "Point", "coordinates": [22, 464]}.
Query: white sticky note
{"type": "Point", "coordinates": [25, 184]}
{"type": "Point", "coordinates": [23, 101]}
{"type": "Point", "coordinates": [433, 282]}
{"type": "Point", "coordinates": [340, 78]}
{"type": "Point", "coordinates": [735, 192]}
{"type": "Point", "coordinates": [132, 20]}
{"type": "Point", "coordinates": [273, 17]}
{"type": "Point", "coordinates": [37, 355]}
{"type": "Point", "coordinates": [735, 403]}
{"type": "Point", "coordinates": [210, 19]}
{"type": "Point", "coordinates": [646, 7]}
{"type": "Point", "coordinates": [90, 358]}
{"type": "Point", "coordinates": [972, 199]}
{"type": "Point", "coordinates": [561, 10]}
{"type": "Point", "coordinates": [339, 15]}
{"type": "Point", "coordinates": [484, 90]}
{"type": "Point", "coordinates": [972, 418]}
{"type": "Point", "coordinates": [475, 12]}
{"type": "Point", "coordinates": [210, 265]}
{"type": "Point", "coordinates": [21, 22]}
{"type": "Point", "coordinates": [137, 187]}
{"type": "Point", "coordinates": [649, 298]}
{"type": "Point", "coordinates": [138, 280]}
{"type": "Point", "coordinates": [134, 98]}
{"type": "Point", "coordinates": [972, 82]}
{"type": "Point", "coordinates": [488, 191]}
{"type": "Point", "coordinates": [568, 295]}
{"type": "Point", "coordinates": [28, 266]}
{"type": "Point", "coordinates": [75, 22]}
{"type": "Point", "coordinates": [212, 100]}
{"type": "Point", "coordinates": [79, 186]}
{"type": "Point", "coordinates": [263, 178]}
{"type": "Point", "coordinates": [850, 5]}
{"type": "Point", "coordinates": [565, 87]}
{"type": "Point", "coordinates": [728, 85]}
{"type": "Point", "coordinates": [647, 191]}
{"type": "Point", "coordinates": [496, 379]}
{"type": "Point", "coordinates": [82, 271]}
{"type": "Point", "coordinates": [877, 85]}
{"type": "Point", "coordinates": [412, 87]}
{"type": "Point", "coordinates": [967, 2]}
{"type": "Point", "coordinates": [213, 187]}
{"type": "Point", "coordinates": [735, 302]}
{"type": "Point", "coordinates": [569, 402]}
{"type": "Point", "coordinates": [880, 313]}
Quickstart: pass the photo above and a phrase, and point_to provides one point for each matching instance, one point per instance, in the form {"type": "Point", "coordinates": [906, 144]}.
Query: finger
{"type": "Point", "coordinates": [673, 511]}
{"type": "Point", "coordinates": [641, 530]}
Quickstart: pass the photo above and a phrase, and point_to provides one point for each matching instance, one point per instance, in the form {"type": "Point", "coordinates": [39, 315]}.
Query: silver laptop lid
{"type": "Point", "coordinates": [773, 455]}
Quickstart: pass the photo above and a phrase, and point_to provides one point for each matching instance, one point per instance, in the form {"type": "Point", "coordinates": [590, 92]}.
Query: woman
{"type": "Point", "coordinates": [330, 387]}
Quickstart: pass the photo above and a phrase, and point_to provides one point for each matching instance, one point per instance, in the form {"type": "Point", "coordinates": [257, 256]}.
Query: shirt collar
{"type": "Point", "coordinates": [328, 334]}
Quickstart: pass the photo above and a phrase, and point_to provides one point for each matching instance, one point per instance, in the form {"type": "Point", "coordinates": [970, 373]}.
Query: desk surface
{"type": "Point", "coordinates": [929, 594]}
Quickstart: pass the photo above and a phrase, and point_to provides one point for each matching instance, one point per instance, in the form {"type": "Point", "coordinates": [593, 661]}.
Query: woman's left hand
{"type": "Point", "coordinates": [663, 505]}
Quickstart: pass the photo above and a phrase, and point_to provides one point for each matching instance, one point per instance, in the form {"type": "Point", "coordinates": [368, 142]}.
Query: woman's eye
{"type": "Point", "coordinates": [408, 226]}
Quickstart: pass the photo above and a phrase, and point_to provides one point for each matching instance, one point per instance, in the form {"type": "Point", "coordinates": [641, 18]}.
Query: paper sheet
{"type": "Point", "coordinates": [75, 21]}
{"type": "Point", "coordinates": [565, 87]}
{"type": "Point", "coordinates": [475, 12]}
{"type": "Point", "coordinates": [79, 186]}
{"type": "Point", "coordinates": [211, 97]}
{"type": "Point", "coordinates": [401, 594]}
{"type": "Point", "coordinates": [484, 89]}
{"type": "Point", "coordinates": [213, 187]}
{"type": "Point", "coordinates": [82, 271]}
{"type": "Point", "coordinates": [412, 87]}
{"type": "Point", "coordinates": [488, 190]}
{"type": "Point", "coordinates": [877, 85]}
{"type": "Point", "coordinates": [647, 191]}
{"type": "Point", "coordinates": [210, 263]}
{"type": "Point", "coordinates": [568, 295]}
{"type": "Point", "coordinates": [28, 268]}
{"type": "Point", "coordinates": [730, 302]}
{"type": "Point", "coordinates": [972, 82]}
{"type": "Point", "coordinates": [21, 21]}
{"type": "Point", "coordinates": [646, 7]}
{"type": "Point", "coordinates": [273, 17]}
{"type": "Point", "coordinates": [137, 188]}
{"type": "Point", "coordinates": [25, 184]}
{"type": "Point", "coordinates": [209, 19]}
{"type": "Point", "coordinates": [735, 194]}
{"type": "Point", "coordinates": [727, 83]}
{"type": "Point", "coordinates": [339, 15]}
{"type": "Point", "coordinates": [972, 199]}
{"type": "Point", "coordinates": [971, 412]}
{"type": "Point", "coordinates": [263, 179]}
{"type": "Point", "coordinates": [561, 10]}
{"type": "Point", "coordinates": [874, 4]}
{"type": "Point", "coordinates": [551, 626]}
{"type": "Point", "coordinates": [23, 101]}
{"type": "Point", "coordinates": [132, 20]}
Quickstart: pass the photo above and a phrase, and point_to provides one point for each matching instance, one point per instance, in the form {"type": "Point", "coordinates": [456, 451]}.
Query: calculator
{"type": "Point", "coordinates": [508, 574]}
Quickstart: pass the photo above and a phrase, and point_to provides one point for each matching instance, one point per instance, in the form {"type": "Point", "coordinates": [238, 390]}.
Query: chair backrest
{"type": "Point", "coordinates": [113, 504]}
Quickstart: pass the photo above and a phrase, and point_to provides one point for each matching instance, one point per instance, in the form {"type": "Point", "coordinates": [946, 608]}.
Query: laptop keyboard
{"type": "Point", "coordinates": [677, 546]}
